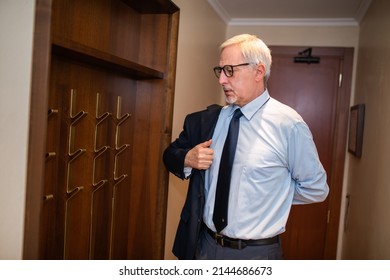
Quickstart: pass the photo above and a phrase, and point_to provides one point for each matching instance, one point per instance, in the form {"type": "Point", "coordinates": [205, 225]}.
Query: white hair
{"type": "Point", "coordinates": [253, 49]}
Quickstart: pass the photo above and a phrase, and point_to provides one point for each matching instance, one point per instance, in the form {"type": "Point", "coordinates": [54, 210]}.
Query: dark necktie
{"type": "Point", "coordinates": [224, 174]}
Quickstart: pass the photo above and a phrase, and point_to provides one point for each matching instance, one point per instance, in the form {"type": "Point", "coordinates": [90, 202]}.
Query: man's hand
{"type": "Point", "coordinates": [200, 157]}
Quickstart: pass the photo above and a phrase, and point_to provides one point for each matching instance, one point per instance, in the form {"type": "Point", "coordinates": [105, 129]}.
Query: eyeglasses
{"type": "Point", "coordinates": [228, 70]}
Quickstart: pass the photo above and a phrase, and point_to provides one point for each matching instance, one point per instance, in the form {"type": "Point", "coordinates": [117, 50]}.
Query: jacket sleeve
{"type": "Point", "coordinates": [176, 152]}
{"type": "Point", "coordinates": [197, 127]}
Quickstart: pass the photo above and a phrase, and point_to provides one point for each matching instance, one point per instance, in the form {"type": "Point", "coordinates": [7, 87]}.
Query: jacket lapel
{"type": "Point", "coordinates": [208, 122]}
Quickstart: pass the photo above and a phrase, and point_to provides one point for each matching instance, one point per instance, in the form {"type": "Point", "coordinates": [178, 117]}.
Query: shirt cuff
{"type": "Point", "coordinates": [187, 172]}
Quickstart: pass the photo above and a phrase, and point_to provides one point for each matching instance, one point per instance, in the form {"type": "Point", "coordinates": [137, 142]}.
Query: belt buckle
{"type": "Point", "coordinates": [219, 239]}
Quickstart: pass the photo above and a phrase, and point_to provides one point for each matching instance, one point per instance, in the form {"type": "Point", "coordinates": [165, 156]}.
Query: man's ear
{"type": "Point", "coordinates": [260, 72]}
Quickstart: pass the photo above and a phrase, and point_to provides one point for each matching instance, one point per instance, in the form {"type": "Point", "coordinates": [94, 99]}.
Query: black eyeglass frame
{"type": "Point", "coordinates": [218, 70]}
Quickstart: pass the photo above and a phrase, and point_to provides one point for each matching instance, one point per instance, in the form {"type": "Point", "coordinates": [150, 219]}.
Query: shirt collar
{"type": "Point", "coordinates": [252, 107]}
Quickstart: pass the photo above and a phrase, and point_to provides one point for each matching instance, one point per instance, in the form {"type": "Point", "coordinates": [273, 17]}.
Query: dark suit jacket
{"type": "Point", "coordinates": [198, 127]}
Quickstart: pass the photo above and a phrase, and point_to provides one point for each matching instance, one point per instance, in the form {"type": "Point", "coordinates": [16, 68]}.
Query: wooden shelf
{"type": "Point", "coordinates": [152, 7]}
{"type": "Point", "coordinates": [96, 57]}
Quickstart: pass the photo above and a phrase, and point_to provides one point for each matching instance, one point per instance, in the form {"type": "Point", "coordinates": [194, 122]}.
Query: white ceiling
{"type": "Point", "coordinates": [291, 12]}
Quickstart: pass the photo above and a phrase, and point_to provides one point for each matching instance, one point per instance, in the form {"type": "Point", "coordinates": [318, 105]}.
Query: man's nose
{"type": "Point", "coordinates": [222, 78]}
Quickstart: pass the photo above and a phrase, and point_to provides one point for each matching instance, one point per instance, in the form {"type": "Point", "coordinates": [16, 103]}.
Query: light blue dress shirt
{"type": "Point", "coordinates": [276, 165]}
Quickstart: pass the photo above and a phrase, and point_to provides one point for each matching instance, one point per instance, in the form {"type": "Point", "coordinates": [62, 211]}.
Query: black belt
{"type": "Point", "coordinates": [225, 241]}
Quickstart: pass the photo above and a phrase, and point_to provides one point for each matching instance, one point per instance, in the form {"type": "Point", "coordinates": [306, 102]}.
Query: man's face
{"type": "Point", "coordinates": [247, 80]}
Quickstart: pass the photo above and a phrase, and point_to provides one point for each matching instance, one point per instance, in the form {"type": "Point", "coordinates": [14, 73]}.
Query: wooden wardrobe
{"type": "Point", "coordinates": [101, 114]}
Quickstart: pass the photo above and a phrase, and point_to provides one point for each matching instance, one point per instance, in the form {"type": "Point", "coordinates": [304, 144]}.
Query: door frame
{"type": "Point", "coordinates": [336, 175]}
{"type": "Point", "coordinates": [37, 134]}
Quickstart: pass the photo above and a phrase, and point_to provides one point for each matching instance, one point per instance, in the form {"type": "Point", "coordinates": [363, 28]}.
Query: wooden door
{"type": "Point", "coordinates": [109, 111]}
{"type": "Point", "coordinates": [320, 93]}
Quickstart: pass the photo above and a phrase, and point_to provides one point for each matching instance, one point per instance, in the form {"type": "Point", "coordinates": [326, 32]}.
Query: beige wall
{"type": "Point", "coordinates": [16, 29]}
{"type": "Point", "coordinates": [201, 32]}
{"type": "Point", "coordinates": [368, 229]}
{"type": "Point", "coordinates": [320, 36]}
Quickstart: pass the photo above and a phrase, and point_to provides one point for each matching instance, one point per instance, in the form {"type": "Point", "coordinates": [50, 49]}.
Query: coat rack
{"type": "Point", "coordinates": [306, 57]}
